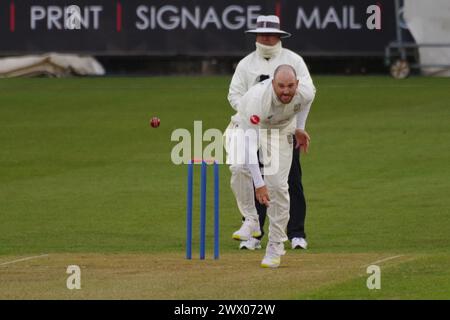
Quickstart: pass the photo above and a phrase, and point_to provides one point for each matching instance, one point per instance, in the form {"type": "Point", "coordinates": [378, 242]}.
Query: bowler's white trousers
{"type": "Point", "coordinates": [277, 144]}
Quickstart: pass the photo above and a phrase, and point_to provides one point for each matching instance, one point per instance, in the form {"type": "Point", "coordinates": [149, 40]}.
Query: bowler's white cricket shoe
{"type": "Point", "coordinates": [299, 243]}
{"type": "Point", "coordinates": [250, 244]}
{"type": "Point", "coordinates": [274, 251]}
{"type": "Point", "coordinates": [250, 228]}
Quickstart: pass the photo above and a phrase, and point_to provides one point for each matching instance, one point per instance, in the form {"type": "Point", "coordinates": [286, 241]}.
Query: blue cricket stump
{"type": "Point", "coordinates": [203, 196]}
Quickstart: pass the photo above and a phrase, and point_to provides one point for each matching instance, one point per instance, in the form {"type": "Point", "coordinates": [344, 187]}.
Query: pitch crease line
{"type": "Point", "coordinates": [23, 259]}
{"type": "Point", "coordinates": [384, 260]}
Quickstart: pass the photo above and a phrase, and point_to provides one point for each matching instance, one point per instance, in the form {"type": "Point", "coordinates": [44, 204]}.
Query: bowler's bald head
{"type": "Point", "coordinates": [285, 83]}
{"type": "Point", "coordinates": [285, 70]}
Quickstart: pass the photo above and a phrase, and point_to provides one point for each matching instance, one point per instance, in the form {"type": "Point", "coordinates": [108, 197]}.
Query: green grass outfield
{"type": "Point", "coordinates": [81, 172]}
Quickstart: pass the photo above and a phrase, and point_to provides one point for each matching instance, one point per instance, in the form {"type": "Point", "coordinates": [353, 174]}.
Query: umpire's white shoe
{"type": "Point", "coordinates": [250, 228]}
{"type": "Point", "coordinates": [274, 251]}
{"type": "Point", "coordinates": [250, 244]}
{"type": "Point", "coordinates": [299, 243]}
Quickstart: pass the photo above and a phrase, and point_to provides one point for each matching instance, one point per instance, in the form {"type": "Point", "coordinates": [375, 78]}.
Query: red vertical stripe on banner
{"type": "Point", "coordinates": [278, 9]}
{"type": "Point", "coordinates": [12, 17]}
{"type": "Point", "coordinates": [119, 17]}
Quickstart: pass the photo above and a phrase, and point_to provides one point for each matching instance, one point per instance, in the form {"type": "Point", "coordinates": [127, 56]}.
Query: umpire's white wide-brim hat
{"type": "Point", "coordinates": [269, 24]}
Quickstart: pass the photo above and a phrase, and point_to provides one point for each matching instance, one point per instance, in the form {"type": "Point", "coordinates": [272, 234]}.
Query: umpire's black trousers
{"type": "Point", "coordinates": [297, 213]}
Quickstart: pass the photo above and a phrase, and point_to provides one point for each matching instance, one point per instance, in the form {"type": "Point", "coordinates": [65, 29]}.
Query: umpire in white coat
{"type": "Point", "coordinates": [256, 67]}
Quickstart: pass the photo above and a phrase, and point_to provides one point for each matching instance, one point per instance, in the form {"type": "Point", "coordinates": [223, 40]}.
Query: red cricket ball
{"type": "Point", "coordinates": [254, 119]}
{"type": "Point", "coordinates": [154, 122]}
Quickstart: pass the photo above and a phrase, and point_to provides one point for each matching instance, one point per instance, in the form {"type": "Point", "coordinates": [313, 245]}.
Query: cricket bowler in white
{"type": "Point", "coordinates": [280, 104]}
{"type": "Point", "coordinates": [256, 67]}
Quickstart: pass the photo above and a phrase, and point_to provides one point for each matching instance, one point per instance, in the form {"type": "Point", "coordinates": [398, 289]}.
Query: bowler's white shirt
{"type": "Point", "coordinates": [262, 102]}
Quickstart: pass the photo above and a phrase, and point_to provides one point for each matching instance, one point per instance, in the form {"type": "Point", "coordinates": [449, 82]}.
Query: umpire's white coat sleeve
{"type": "Point", "coordinates": [303, 73]}
{"type": "Point", "coordinates": [238, 86]}
{"type": "Point", "coordinates": [307, 92]}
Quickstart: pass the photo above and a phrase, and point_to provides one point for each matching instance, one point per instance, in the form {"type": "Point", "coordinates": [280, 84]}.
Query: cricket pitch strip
{"type": "Point", "coordinates": [170, 276]}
